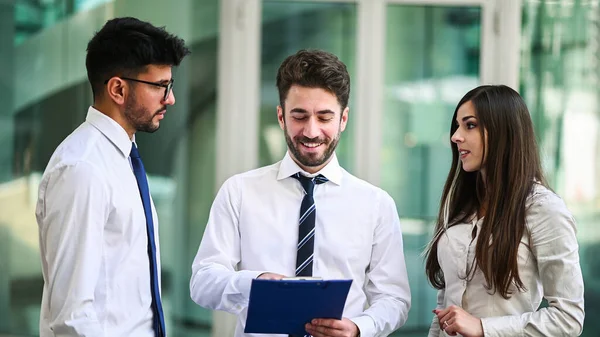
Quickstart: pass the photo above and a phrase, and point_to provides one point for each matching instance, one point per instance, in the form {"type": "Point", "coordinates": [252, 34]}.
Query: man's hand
{"type": "Point", "coordinates": [270, 276]}
{"type": "Point", "coordinates": [332, 328]}
{"type": "Point", "coordinates": [454, 320]}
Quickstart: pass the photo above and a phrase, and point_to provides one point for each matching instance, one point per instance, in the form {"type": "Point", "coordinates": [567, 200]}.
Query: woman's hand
{"type": "Point", "coordinates": [455, 320]}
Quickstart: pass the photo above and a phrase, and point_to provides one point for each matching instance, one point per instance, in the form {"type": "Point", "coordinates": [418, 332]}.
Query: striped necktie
{"type": "Point", "coordinates": [306, 230]}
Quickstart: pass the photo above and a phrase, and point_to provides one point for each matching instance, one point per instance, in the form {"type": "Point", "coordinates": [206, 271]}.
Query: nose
{"type": "Point", "coordinates": [170, 98]}
{"type": "Point", "coordinates": [311, 128]}
{"type": "Point", "coordinates": [457, 137]}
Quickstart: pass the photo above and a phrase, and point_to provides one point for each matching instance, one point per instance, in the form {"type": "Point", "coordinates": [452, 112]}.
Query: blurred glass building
{"type": "Point", "coordinates": [410, 61]}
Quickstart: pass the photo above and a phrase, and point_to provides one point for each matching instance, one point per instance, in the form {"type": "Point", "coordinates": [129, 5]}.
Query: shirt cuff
{"type": "Point", "coordinates": [365, 324]}
{"type": "Point", "coordinates": [237, 293]}
{"type": "Point", "coordinates": [244, 281]}
{"type": "Point", "coordinates": [501, 326]}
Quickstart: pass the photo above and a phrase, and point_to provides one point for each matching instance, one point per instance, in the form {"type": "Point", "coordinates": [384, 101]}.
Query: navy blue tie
{"type": "Point", "coordinates": [306, 229]}
{"type": "Point", "coordinates": [140, 176]}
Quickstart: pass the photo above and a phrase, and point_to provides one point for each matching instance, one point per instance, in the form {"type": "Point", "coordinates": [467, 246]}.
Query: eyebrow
{"type": "Point", "coordinates": [464, 119]}
{"type": "Point", "coordinates": [320, 112]}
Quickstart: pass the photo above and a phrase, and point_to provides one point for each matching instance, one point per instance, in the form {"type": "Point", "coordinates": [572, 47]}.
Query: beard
{"type": "Point", "coordinates": [139, 116]}
{"type": "Point", "coordinates": [311, 159]}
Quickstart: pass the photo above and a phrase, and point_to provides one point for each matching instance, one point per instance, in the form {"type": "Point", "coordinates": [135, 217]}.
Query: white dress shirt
{"type": "Point", "coordinates": [549, 269]}
{"type": "Point", "coordinates": [253, 228]}
{"type": "Point", "coordinates": [93, 240]}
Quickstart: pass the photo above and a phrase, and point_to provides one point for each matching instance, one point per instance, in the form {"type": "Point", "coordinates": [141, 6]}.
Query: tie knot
{"type": "Point", "coordinates": [308, 183]}
{"type": "Point", "coordinates": [134, 151]}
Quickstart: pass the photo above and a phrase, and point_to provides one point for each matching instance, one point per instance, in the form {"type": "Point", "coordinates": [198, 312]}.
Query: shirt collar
{"type": "Point", "coordinates": [332, 171]}
{"type": "Point", "coordinates": [111, 130]}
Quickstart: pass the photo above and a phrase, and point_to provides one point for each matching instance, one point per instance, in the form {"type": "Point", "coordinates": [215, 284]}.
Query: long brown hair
{"type": "Point", "coordinates": [512, 168]}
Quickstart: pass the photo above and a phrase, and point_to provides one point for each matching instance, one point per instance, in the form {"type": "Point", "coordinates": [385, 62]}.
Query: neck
{"type": "Point", "coordinates": [115, 114]}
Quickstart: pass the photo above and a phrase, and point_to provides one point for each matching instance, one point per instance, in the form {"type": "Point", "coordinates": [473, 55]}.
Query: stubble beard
{"type": "Point", "coordinates": [311, 160]}
{"type": "Point", "coordinates": [139, 117]}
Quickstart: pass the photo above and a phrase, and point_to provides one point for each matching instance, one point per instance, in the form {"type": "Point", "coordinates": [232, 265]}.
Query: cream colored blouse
{"type": "Point", "coordinates": [550, 269]}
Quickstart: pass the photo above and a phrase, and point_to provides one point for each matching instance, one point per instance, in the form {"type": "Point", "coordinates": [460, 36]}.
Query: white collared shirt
{"type": "Point", "coordinates": [253, 228]}
{"type": "Point", "coordinates": [93, 240]}
{"type": "Point", "coordinates": [550, 269]}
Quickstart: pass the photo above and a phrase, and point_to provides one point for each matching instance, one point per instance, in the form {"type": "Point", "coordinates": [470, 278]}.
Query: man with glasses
{"type": "Point", "coordinates": [98, 228]}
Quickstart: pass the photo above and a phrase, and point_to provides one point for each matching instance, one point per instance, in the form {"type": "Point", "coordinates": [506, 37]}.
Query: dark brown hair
{"type": "Point", "coordinates": [126, 46]}
{"type": "Point", "coordinates": [314, 69]}
{"type": "Point", "coordinates": [512, 167]}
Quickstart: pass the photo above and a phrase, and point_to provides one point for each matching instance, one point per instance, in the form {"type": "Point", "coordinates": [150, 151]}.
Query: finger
{"type": "Point", "coordinates": [322, 331]}
{"type": "Point", "coordinates": [450, 333]}
{"type": "Point", "coordinates": [441, 312]}
{"type": "Point", "coordinates": [318, 334]}
{"type": "Point", "coordinates": [445, 317]}
{"type": "Point", "coordinates": [452, 311]}
{"type": "Point", "coordinates": [444, 325]}
{"type": "Point", "coordinates": [329, 323]}
{"type": "Point", "coordinates": [451, 327]}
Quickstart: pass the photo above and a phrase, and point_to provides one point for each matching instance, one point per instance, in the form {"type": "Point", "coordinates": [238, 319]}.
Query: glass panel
{"type": "Point", "coordinates": [560, 81]}
{"type": "Point", "coordinates": [432, 60]}
{"type": "Point", "coordinates": [34, 16]}
{"type": "Point", "coordinates": [288, 27]}
{"type": "Point", "coordinates": [179, 160]}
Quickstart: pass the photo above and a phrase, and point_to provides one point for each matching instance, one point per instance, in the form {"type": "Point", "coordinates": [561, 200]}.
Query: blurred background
{"type": "Point", "coordinates": [410, 60]}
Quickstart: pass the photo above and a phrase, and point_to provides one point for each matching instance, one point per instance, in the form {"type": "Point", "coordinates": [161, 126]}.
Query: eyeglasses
{"type": "Point", "coordinates": [168, 86]}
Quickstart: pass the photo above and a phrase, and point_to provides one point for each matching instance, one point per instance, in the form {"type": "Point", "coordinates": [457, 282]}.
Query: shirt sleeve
{"type": "Point", "coordinates": [434, 329]}
{"type": "Point", "coordinates": [555, 247]}
{"type": "Point", "coordinates": [387, 285]}
{"type": "Point", "coordinates": [216, 283]}
{"type": "Point", "coordinates": [71, 212]}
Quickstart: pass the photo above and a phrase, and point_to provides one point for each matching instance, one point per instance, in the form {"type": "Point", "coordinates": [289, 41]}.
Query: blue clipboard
{"type": "Point", "coordinates": [285, 306]}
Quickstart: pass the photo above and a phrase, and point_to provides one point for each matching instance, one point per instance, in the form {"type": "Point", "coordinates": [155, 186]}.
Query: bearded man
{"type": "Point", "coordinates": [307, 216]}
{"type": "Point", "coordinates": [98, 228]}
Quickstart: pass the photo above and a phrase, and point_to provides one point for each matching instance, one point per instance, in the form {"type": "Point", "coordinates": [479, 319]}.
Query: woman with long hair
{"type": "Point", "coordinates": [503, 240]}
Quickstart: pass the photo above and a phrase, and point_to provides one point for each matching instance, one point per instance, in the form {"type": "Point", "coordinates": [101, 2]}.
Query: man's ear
{"type": "Point", "coordinates": [344, 119]}
{"type": "Point", "coordinates": [117, 90]}
{"type": "Point", "coordinates": [280, 117]}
